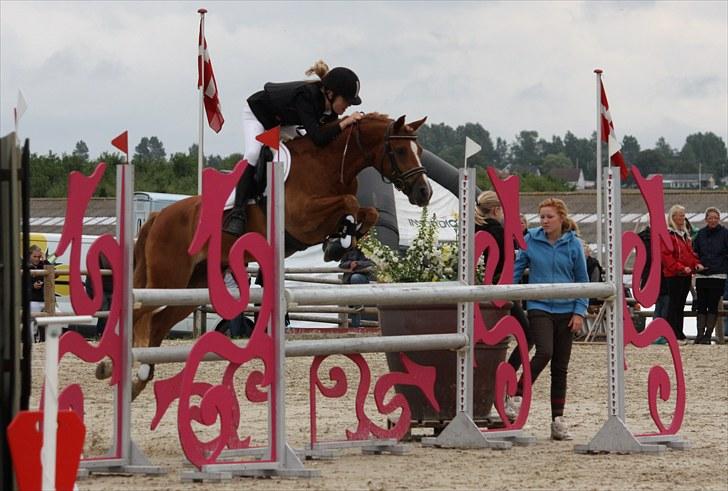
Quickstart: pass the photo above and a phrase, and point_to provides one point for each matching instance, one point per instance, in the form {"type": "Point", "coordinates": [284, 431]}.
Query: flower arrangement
{"type": "Point", "coordinates": [425, 260]}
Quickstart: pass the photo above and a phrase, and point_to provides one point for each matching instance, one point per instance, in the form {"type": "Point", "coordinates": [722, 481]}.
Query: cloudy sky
{"type": "Point", "coordinates": [90, 70]}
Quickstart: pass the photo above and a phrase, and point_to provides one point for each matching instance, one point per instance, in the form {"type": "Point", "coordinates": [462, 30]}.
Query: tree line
{"type": "Point", "coordinates": [528, 155]}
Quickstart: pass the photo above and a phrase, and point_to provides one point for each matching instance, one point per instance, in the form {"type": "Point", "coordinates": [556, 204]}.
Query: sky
{"type": "Point", "coordinates": [90, 70]}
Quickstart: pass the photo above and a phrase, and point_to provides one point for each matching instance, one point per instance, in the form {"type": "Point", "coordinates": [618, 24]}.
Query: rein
{"type": "Point", "coordinates": [401, 180]}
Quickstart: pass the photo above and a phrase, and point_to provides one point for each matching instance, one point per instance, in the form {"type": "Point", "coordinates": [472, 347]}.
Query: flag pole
{"type": "Point", "coordinates": [201, 89]}
{"type": "Point", "coordinates": [599, 221]}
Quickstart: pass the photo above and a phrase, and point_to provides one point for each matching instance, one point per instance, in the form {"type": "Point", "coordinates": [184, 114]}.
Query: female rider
{"type": "Point", "coordinates": [310, 104]}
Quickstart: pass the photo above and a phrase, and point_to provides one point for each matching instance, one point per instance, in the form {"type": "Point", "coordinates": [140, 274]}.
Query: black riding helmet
{"type": "Point", "coordinates": [344, 82]}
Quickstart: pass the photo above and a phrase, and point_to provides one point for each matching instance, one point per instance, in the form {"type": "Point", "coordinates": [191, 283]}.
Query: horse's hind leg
{"type": "Point", "coordinates": [162, 321]}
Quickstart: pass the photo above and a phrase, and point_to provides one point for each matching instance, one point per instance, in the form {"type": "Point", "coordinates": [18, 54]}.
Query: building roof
{"type": "Point", "coordinates": [568, 174]}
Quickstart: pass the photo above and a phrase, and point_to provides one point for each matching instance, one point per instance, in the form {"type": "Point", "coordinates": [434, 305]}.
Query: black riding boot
{"type": "Point", "coordinates": [700, 325]}
{"type": "Point", "coordinates": [710, 323]}
{"type": "Point", "coordinates": [237, 219]}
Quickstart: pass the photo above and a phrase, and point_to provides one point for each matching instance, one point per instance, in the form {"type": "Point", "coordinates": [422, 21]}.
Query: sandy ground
{"type": "Point", "coordinates": [544, 465]}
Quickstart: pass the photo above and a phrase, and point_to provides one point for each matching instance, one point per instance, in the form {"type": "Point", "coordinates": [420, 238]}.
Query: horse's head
{"type": "Point", "coordinates": [400, 162]}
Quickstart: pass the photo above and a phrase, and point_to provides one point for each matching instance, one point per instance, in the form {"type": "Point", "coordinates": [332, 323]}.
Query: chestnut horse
{"type": "Point", "coordinates": [319, 192]}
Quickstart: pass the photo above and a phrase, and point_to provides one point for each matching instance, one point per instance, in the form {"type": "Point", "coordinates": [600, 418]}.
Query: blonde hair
{"type": "Point", "coordinates": [485, 204]}
{"type": "Point", "coordinates": [673, 210]}
{"type": "Point", "coordinates": [712, 209]}
{"type": "Point", "coordinates": [319, 68]}
{"type": "Point", "coordinates": [567, 222]}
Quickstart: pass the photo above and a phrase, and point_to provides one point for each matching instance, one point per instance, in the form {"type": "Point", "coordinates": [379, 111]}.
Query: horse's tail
{"type": "Point", "coordinates": [140, 260]}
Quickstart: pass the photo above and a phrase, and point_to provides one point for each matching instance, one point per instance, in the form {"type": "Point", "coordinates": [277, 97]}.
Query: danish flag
{"type": "Point", "coordinates": [609, 136]}
{"type": "Point", "coordinates": [205, 75]}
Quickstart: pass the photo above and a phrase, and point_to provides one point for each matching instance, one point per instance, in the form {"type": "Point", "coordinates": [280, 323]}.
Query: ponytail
{"type": "Point", "coordinates": [320, 68]}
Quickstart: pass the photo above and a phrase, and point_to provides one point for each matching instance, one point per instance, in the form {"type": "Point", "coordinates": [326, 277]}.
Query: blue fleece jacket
{"type": "Point", "coordinates": [561, 262]}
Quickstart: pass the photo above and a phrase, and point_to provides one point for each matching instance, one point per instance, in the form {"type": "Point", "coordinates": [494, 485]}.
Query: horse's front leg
{"type": "Point", "coordinates": [366, 218]}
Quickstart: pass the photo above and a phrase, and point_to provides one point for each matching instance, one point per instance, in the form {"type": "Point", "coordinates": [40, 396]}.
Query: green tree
{"type": "Point", "coordinates": [555, 161]}
{"type": "Point", "coordinates": [81, 150]}
{"type": "Point", "coordinates": [524, 151]}
{"type": "Point", "coordinates": [706, 149]}
{"type": "Point", "coordinates": [630, 148]}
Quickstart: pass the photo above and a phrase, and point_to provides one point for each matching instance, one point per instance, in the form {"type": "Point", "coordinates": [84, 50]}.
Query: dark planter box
{"type": "Point", "coordinates": [439, 319]}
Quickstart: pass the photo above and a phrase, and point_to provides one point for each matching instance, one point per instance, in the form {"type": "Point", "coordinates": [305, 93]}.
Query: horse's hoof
{"type": "Point", "coordinates": [144, 372]}
{"type": "Point", "coordinates": [103, 370]}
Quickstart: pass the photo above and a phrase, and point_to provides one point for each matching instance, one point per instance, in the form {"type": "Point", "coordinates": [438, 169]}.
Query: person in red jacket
{"type": "Point", "coordinates": [678, 267]}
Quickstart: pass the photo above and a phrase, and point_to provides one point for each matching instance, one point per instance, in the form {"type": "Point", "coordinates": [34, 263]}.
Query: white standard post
{"type": "Point", "coordinates": [50, 408]}
{"type": "Point", "coordinates": [466, 277]}
{"type": "Point", "coordinates": [615, 329]}
{"type": "Point", "coordinates": [600, 209]}
{"type": "Point", "coordinates": [125, 176]}
{"type": "Point", "coordinates": [277, 431]}
{"type": "Point", "coordinates": [201, 89]}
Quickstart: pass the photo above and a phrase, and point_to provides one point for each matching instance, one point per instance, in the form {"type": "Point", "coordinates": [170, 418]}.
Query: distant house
{"type": "Point", "coordinates": [570, 175]}
{"type": "Point", "coordinates": [687, 181]}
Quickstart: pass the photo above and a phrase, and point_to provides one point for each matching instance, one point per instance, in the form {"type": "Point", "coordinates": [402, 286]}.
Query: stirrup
{"type": "Point", "coordinates": [235, 223]}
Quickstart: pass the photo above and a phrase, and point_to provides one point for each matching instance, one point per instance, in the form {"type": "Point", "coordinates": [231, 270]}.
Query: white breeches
{"type": "Point", "coordinates": [253, 128]}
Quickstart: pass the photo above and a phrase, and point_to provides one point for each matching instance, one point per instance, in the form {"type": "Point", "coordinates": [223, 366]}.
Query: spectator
{"type": "Point", "coordinates": [239, 326]}
{"type": "Point", "coordinates": [37, 284]}
{"type": "Point", "coordinates": [356, 265]}
{"type": "Point", "coordinates": [489, 218]}
{"type": "Point", "coordinates": [711, 247]}
{"type": "Point", "coordinates": [678, 267]}
{"type": "Point", "coordinates": [107, 285]}
{"type": "Point", "coordinates": [554, 254]}
{"type": "Point", "coordinates": [721, 339]}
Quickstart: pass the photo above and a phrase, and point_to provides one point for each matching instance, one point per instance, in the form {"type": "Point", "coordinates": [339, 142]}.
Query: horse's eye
{"type": "Point", "coordinates": [401, 152]}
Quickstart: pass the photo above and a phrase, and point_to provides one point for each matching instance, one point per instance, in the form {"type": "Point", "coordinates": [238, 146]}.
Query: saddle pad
{"type": "Point", "coordinates": [283, 155]}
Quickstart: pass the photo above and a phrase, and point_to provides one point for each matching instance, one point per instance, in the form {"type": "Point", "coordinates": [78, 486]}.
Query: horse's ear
{"type": "Point", "coordinates": [416, 125]}
{"type": "Point", "coordinates": [398, 125]}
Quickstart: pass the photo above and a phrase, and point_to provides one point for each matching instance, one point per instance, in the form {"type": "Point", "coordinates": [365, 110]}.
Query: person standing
{"type": "Point", "coordinates": [554, 254]}
{"type": "Point", "coordinates": [678, 267]}
{"type": "Point", "coordinates": [711, 247]}
{"type": "Point", "coordinates": [489, 218]}
{"type": "Point", "coordinates": [357, 267]}
{"type": "Point", "coordinates": [37, 286]}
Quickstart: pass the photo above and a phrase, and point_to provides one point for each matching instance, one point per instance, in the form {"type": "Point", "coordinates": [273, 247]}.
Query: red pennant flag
{"type": "Point", "coordinates": [205, 75]}
{"type": "Point", "coordinates": [25, 438]}
{"type": "Point", "coordinates": [271, 138]}
{"type": "Point", "coordinates": [122, 142]}
{"type": "Point", "coordinates": [610, 137]}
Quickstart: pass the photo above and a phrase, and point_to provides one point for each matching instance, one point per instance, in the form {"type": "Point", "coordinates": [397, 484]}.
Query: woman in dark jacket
{"type": "Point", "coordinates": [311, 104]}
{"type": "Point", "coordinates": [711, 246]}
{"type": "Point", "coordinates": [489, 218]}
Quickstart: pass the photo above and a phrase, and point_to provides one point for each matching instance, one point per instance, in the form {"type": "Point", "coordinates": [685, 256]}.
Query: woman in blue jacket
{"type": "Point", "coordinates": [554, 254]}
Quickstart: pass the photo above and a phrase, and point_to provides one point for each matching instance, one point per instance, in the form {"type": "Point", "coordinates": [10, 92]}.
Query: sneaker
{"type": "Point", "coordinates": [513, 406]}
{"type": "Point", "coordinates": [559, 429]}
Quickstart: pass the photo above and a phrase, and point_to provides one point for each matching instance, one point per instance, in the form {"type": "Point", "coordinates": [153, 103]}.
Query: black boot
{"type": "Point", "coordinates": [710, 323]}
{"type": "Point", "coordinates": [700, 325]}
{"type": "Point", "coordinates": [237, 219]}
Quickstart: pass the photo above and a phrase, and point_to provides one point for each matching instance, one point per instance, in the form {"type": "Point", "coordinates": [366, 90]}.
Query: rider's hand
{"type": "Point", "coordinates": [350, 119]}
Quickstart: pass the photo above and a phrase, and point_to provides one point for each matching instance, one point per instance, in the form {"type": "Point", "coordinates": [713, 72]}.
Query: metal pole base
{"type": "Point", "coordinates": [615, 437]}
{"type": "Point", "coordinates": [672, 441]}
{"type": "Point", "coordinates": [325, 450]}
{"type": "Point", "coordinates": [137, 464]}
{"type": "Point", "coordinates": [290, 466]}
{"type": "Point", "coordinates": [462, 432]}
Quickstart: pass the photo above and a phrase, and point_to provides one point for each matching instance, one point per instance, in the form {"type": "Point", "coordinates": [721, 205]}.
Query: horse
{"type": "Point", "coordinates": [320, 191]}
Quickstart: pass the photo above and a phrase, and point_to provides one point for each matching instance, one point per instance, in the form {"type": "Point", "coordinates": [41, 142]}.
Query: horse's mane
{"type": "Point", "coordinates": [373, 117]}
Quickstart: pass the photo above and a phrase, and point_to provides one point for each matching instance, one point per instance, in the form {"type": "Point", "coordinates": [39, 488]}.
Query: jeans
{"type": "Point", "coordinates": [357, 279]}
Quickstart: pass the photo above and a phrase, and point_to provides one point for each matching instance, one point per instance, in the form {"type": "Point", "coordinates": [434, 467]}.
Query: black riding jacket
{"type": "Point", "coordinates": [295, 104]}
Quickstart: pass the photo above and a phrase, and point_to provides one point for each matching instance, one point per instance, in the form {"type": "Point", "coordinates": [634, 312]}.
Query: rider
{"type": "Point", "coordinates": [308, 103]}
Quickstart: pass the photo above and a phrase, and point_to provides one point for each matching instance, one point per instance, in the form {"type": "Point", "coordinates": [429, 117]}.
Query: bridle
{"type": "Point", "coordinates": [401, 180]}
